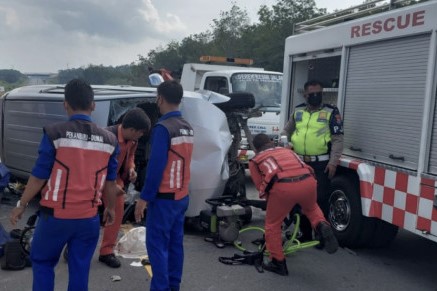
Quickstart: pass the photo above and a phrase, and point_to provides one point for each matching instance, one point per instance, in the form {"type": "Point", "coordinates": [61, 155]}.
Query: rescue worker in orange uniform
{"type": "Point", "coordinates": [76, 160]}
{"type": "Point", "coordinates": [165, 191]}
{"type": "Point", "coordinates": [284, 180]}
{"type": "Point", "coordinates": [134, 125]}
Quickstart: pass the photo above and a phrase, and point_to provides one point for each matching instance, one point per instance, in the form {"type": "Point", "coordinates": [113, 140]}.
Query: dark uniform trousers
{"type": "Point", "coordinates": [323, 184]}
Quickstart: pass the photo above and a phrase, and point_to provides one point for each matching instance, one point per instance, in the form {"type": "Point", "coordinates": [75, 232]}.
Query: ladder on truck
{"type": "Point", "coordinates": [351, 13]}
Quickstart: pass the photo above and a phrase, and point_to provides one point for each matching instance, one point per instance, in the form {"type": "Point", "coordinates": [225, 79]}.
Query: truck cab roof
{"type": "Point", "coordinates": [229, 73]}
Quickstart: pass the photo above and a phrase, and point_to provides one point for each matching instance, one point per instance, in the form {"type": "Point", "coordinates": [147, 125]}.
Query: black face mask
{"type": "Point", "coordinates": [315, 99]}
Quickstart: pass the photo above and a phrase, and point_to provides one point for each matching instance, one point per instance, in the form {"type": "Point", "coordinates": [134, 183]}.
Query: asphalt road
{"type": "Point", "coordinates": [409, 264]}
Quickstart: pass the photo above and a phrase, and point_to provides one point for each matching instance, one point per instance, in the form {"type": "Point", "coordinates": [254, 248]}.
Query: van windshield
{"type": "Point", "coordinates": [265, 87]}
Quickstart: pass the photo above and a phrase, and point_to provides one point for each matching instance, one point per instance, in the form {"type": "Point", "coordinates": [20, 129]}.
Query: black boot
{"type": "Point", "coordinates": [327, 237]}
{"type": "Point", "coordinates": [275, 266]}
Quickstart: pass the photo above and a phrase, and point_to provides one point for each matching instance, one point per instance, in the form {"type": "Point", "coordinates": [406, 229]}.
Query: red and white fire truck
{"type": "Point", "coordinates": [380, 70]}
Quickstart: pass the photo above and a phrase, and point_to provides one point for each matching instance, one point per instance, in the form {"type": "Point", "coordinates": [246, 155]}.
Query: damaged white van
{"type": "Point", "coordinates": [26, 110]}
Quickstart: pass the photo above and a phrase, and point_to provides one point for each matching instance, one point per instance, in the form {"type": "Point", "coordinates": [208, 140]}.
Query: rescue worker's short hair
{"type": "Point", "coordinates": [137, 119]}
{"type": "Point", "coordinates": [262, 141]}
{"type": "Point", "coordinates": [171, 91]}
{"type": "Point", "coordinates": [79, 94]}
{"type": "Point", "coordinates": [312, 83]}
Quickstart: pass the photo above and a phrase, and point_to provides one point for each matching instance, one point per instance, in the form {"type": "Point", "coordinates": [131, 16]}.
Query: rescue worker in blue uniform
{"type": "Point", "coordinates": [76, 161]}
{"type": "Point", "coordinates": [165, 192]}
{"type": "Point", "coordinates": [316, 134]}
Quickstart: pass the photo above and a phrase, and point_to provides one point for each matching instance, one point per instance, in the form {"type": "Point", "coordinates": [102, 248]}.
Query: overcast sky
{"type": "Point", "coordinates": [52, 35]}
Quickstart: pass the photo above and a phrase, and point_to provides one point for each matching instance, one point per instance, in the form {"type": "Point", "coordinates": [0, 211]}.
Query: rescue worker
{"type": "Point", "coordinates": [76, 160]}
{"type": "Point", "coordinates": [316, 134]}
{"type": "Point", "coordinates": [284, 180]}
{"type": "Point", "coordinates": [165, 191]}
{"type": "Point", "coordinates": [133, 126]}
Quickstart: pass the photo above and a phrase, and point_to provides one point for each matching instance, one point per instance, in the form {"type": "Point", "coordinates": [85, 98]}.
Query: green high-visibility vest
{"type": "Point", "coordinates": [312, 133]}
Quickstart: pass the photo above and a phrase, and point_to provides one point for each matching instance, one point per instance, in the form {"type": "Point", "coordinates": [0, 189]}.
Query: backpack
{"type": "Point", "coordinates": [14, 257]}
{"type": "Point", "coordinates": [4, 238]}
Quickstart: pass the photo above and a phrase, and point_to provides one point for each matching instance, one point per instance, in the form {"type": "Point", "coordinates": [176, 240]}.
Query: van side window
{"type": "Point", "coordinates": [119, 107]}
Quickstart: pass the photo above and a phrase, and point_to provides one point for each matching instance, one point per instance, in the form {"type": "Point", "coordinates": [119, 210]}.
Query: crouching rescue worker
{"type": "Point", "coordinates": [284, 180]}
{"type": "Point", "coordinates": [165, 189]}
{"type": "Point", "coordinates": [134, 125]}
{"type": "Point", "coordinates": [76, 159]}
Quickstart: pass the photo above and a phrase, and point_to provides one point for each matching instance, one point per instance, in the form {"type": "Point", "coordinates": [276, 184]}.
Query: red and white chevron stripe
{"type": "Point", "coordinates": [399, 198]}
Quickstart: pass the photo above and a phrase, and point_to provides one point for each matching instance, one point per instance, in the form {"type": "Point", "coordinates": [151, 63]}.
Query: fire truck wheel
{"type": "Point", "coordinates": [367, 232]}
{"type": "Point", "coordinates": [344, 211]}
{"type": "Point", "coordinates": [383, 235]}
{"type": "Point", "coordinates": [239, 100]}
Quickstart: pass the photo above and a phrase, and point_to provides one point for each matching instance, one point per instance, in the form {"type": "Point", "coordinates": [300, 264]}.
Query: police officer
{"type": "Point", "coordinates": [316, 133]}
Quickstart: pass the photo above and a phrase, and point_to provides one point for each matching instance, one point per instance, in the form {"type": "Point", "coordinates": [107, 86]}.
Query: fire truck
{"type": "Point", "coordinates": [377, 62]}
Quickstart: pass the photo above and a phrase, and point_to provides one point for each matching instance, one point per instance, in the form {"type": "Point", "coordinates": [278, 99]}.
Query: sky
{"type": "Point", "coordinates": [45, 36]}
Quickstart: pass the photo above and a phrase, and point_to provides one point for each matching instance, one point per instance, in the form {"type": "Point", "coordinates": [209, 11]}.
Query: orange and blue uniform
{"type": "Point", "coordinates": [76, 157]}
{"type": "Point", "coordinates": [166, 191]}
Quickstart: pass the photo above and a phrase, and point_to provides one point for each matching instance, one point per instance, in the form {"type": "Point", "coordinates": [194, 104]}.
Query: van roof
{"type": "Point", "coordinates": [101, 92]}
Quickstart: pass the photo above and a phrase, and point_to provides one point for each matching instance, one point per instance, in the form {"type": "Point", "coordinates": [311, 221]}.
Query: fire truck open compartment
{"type": "Point", "coordinates": [324, 67]}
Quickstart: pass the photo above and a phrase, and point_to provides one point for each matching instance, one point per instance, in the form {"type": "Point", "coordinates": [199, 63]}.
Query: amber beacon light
{"type": "Point", "coordinates": [237, 61]}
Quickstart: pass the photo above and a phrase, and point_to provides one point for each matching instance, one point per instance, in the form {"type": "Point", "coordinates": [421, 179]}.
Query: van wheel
{"type": "Point", "coordinates": [239, 100]}
{"type": "Point", "coordinates": [344, 212]}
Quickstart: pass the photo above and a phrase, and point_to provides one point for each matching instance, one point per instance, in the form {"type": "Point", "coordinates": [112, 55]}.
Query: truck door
{"type": "Point", "coordinates": [217, 84]}
{"type": "Point", "coordinates": [432, 167]}
{"type": "Point", "coordinates": [384, 97]}
{"type": "Point", "coordinates": [430, 190]}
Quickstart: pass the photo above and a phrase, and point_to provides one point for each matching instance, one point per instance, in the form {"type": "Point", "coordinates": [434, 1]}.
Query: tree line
{"type": "Point", "coordinates": [230, 35]}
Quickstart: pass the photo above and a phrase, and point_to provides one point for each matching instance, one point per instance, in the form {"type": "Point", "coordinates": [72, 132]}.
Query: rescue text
{"type": "Point", "coordinates": [389, 24]}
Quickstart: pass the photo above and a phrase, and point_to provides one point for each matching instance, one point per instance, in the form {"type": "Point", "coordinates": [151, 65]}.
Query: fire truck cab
{"type": "Point", "coordinates": [380, 71]}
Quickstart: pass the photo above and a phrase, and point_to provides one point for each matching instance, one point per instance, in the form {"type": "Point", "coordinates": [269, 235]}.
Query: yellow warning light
{"type": "Point", "coordinates": [237, 61]}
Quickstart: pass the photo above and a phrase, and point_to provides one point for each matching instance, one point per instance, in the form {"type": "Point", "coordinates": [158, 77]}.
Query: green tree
{"type": "Point", "coordinates": [12, 76]}
{"type": "Point", "coordinates": [11, 79]}
{"type": "Point", "coordinates": [168, 57]}
{"type": "Point", "coordinates": [267, 38]}
{"type": "Point", "coordinates": [64, 76]}
{"type": "Point", "coordinates": [196, 45]}
{"type": "Point", "coordinates": [228, 30]}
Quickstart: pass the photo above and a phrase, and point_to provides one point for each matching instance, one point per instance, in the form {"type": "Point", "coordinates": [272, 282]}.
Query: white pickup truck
{"type": "Point", "coordinates": [265, 86]}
